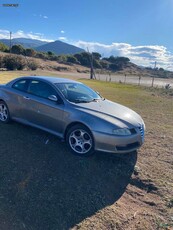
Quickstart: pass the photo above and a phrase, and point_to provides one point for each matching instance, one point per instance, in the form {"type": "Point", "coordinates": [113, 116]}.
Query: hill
{"type": "Point", "coordinates": [56, 47]}
{"type": "Point", "coordinates": [25, 42]}
{"type": "Point", "coordinates": [59, 47]}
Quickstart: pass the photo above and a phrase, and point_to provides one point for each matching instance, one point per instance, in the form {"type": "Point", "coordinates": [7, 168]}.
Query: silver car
{"type": "Point", "coordinates": [73, 112]}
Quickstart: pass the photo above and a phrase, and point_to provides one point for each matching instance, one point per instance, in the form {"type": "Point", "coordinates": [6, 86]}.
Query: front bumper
{"type": "Point", "coordinates": [117, 144]}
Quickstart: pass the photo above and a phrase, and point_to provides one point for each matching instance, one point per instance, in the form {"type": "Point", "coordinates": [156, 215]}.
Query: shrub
{"type": "Point", "coordinates": [72, 59]}
{"type": "Point", "coordinates": [104, 64]}
{"type": "Point", "coordinates": [41, 55]}
{"type": "Point", "coordinates": [115, 67]}
{"type": "Point", "coordinates": [32, 64]}
{"type": "Point", "coordinates": [14, 62]}
{"type": "Point", "coordinates": [17, 49]}
{"type": "Point", "coordinates": [3, 47]}
{"type": "Point", "coordinates": [30, 52]}
{"type": "Point", "coordinates": [62, 59]}
{"type": "Point", "coordinates": [1, 62]}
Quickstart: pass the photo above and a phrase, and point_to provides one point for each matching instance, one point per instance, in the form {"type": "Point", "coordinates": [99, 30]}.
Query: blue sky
{"type": "Point", "coordinates": [139, 29]}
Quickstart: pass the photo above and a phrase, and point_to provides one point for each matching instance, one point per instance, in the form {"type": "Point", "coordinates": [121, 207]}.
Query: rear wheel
{"type": "Point", "coordinates": [4, 112]}
{"type": "Point", "coordinates": [80, 141]}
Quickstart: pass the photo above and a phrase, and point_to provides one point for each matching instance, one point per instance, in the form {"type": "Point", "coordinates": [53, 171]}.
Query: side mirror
{"type": "Point", "coordinates": [53, 98]}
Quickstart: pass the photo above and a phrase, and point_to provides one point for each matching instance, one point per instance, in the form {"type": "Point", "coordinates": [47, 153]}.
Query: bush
{"type": "Point", "coordinates": [30, 52]}
{"type": "Point", "coordinates": [84, 58]}
{"type": "Point", "coordinates": [14, 62]}
{"type": "Point", "coordinates": [32, 64]}
{"type": "Point", "coordinates": [72, 59]}
{"type": "Point", "coordinates": [17, 49]}
{"type": "Point", "coordinates": [41, 55]}
{"type": "Point", "coordinates": [115, 67]}
{"type": "Point", "coordinates": [104, 64]}
{"type": "Point", "coordinates": [96, 64]}
{"type": "Point", "coordinates": [1, 62]}
{"type": "Point", "coordinates": [3, 47]}
{"type": "Point", "coordinates": [62, 59]}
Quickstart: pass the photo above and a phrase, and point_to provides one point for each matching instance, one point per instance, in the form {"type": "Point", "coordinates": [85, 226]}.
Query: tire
{"type": "Point", "coordinates": [4, 113]}
{"type": "Point", "coordinates": [80, 140]}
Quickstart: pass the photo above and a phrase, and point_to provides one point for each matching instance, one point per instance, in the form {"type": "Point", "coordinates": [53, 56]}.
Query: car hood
{"type": "Point", "coordinates": [112, 112]}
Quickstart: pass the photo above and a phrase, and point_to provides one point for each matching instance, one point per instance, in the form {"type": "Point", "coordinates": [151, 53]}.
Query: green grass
{"type": "Point", "coordinates": [6, 76]}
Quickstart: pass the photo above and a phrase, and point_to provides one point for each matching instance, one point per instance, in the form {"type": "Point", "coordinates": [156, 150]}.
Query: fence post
{"type": "Point", "coordinates": [124, 78]}
{"type": "Point", "coordinates": [139, 80]}
{"type": "Point", "coordinates": [152, 84]}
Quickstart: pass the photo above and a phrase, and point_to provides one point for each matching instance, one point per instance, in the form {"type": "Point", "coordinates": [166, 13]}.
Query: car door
{"type": "Point", "coordinates": [42, 112]}
{"type": "Point", "coordinates": [16, 101]}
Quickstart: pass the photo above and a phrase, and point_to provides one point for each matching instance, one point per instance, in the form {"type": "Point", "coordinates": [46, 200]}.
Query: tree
{"type": "Point", "coordinates": [17, 49]}
{"type": "Point", "coordinates": [115, 67]}
{"type": "Point", "coordinates": [3, 47]}
{"type": "Point", "coordinates": [72, 59]}
{"type": "Point", "coordinates": [96, 55]}
{"type": "Point", "coordinates": [104, 64]}
{"type": "Point", "coordinates": [41, 55]}
{"type": "Point", "coordinates": [83, 58]}
{"type": "Point", "coordinates": [62, 58]}
{"type": "Point", "coordinates": [96, 64]}
{"type": "Point", "coordinates": [117, 60]}
{"type": "Point", "coordinates": [50, 53]}
{"type": "Point", "coordinates": [30, 52]}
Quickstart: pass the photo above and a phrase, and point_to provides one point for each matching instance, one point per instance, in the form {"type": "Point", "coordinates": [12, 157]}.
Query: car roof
{"type": "Point", "coordinates": [50, 79]}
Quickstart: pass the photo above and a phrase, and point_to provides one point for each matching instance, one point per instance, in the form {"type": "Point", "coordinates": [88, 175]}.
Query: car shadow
{"type": "Point", "coordinates": [43, 186]}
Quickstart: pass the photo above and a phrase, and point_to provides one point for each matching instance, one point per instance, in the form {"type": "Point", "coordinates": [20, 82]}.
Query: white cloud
{"type": "Point", "coordinates": [140, 55]}
{"type": "Point", "coordinates": [63, 39]}
{"type": "Point", "coordinates": [62, 31]}
{"type": "Point", "coordinates": [41, 16]}
{"type": "Point", "coordinates": [5, 34]}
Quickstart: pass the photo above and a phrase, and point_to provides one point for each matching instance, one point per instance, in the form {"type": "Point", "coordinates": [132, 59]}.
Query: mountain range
{"type": "Point", "coordinates": [57, 47]}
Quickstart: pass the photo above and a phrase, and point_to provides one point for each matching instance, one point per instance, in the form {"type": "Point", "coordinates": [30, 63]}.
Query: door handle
{"type": "Point", "coordinates": [27, 98]}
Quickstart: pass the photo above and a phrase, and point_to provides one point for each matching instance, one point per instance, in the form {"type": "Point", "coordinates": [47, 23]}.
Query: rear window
{"type": "Point", "coordinates": [21, 85]}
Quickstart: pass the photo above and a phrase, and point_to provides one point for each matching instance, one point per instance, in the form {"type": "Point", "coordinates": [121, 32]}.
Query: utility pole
{"type": "Point", "coordinates": [92, 74]}
{"type": "Point", "coordinates": [10, 40]}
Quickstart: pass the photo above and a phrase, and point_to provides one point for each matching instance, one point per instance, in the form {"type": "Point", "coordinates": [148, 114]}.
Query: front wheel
{"type": "Point", "coordinates": [80, 141]}
{"type": "Point", "coordinates": [4, 113]}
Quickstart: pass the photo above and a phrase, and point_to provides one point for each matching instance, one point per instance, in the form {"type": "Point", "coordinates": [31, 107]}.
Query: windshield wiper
{"type": "Point", "coordinates": [80, 101]}
{"type": "Point", "coordinates": [85, 101]}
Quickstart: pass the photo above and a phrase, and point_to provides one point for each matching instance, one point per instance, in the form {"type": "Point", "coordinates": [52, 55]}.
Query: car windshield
{"type": "Point", "coordinates": [77, 92]}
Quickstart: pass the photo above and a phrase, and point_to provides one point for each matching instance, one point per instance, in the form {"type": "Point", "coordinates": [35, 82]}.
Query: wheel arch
{"type": "Point", "coordinates": [8, 119]}
{"type": "Point", "coordinates": [73, 124]}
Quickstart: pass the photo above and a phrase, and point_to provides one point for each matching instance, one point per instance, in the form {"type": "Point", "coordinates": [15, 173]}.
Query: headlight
{"type": "Point", "coordinates": [121, 132]}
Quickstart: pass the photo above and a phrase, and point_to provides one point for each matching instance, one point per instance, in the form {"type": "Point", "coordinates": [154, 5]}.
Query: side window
{"type": "Point", "coordinates": [21, 85]}
{"type": "Point", "coordinates": [41, 89]}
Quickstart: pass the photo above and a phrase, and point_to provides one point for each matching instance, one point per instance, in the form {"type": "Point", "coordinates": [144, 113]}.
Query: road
{"type": "Point", "coordinates": [145, 81]}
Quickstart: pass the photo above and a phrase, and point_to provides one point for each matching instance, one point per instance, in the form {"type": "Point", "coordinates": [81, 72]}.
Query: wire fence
{"type": "Point", "coordinates": [136, 80]}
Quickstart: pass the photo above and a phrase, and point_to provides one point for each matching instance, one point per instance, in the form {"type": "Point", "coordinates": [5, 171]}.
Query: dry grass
{"type": "Point", "coordinates": [43, 186]}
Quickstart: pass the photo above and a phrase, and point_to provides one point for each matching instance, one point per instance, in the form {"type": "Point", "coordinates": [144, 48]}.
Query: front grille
{"type": "Point", "coordinates": [128, 147]}
{"type": "Point", "coordinates": [141, 129]}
